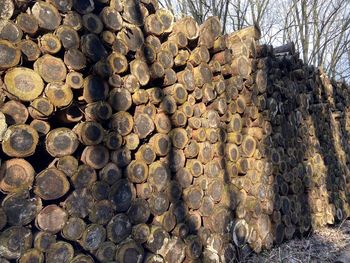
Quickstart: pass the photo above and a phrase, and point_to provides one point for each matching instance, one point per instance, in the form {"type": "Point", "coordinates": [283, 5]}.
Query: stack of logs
{"type": "Point", "coordinates": [300, 176]}
{"type": "Point", "coordinates": [128, 137]}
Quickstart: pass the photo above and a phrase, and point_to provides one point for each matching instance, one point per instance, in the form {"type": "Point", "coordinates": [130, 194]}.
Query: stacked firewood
{"type": "Point", "coordinates": [301, 173]}
{"type": "Point", "coordinates": [129, 137]}
{"type": "Point", "coordinates": [114, 132]}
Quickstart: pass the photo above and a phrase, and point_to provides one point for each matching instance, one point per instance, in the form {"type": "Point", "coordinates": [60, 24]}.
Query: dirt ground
{"type": "Point", "coordinates": [324, 246]}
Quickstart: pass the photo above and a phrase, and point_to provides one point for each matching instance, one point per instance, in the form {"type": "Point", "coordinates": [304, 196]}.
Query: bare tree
{"type": "Point", "coordinates": [320, 29]}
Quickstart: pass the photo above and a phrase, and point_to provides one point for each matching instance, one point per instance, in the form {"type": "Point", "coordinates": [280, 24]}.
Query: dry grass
{"type": "Point", "coordinates": [322, 245]}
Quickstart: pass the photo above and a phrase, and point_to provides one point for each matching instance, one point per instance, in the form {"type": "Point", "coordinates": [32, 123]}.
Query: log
{"type": "Point", "coordinates": [153, 25]}
{"type": "Point", "coordinates": [61, 250]}
{"type": "Point", "coordinates": [92, 23]}
{"type": "Point", "coordinates": [10, 54]}
{"type": "Point", "coordinates": [108, 37]}
{"type": "Point", "coordinates": [14, 112]}
{"type": "Point", "coordinates": [110, 173]}
{"type": "Point", "coordinates": [50, 44]}
{"type": "Point", "coordinates": [143, 125]}
{"type": "Point", "coordinates": [89, 132]}
{"type": "Point", "coordinates": [73, 229]}
{"type": "Point", "coordinates": [187, 26]}
{"type": "Point", "coordinates": [193, 247]}
{"type": "Point", "coordinates": [82, 258]}
{"type": "Point", "coordinates": [179, 138]}
{"type": "Point", "coordinates": [50, 68]}
{"type": "Point", "coordinates": [32, 255]}
{"type": "Point", "coordinates": [3, 218]}
{"type": "Point", "coordinates": [166, 18]}
{"type": "Point", "coordinates": [132, 36]}
{"type": "Point", "coordinates": [79, 203]}
{"type": "Point", "coordinates": [96, 156]}
{"type": "Point", "coordinates": [169, 77]}
{"type": "Point", "coordinates": [93, 236]}
{"type": "Point", "coordinates": [139, 211]}
{"type": "Point", "coordinates": [129, 251]}
{"type": "Point", "coordinates": [22, 235]}
{"type": "Point", "coordinates": [75, 59]}
{"type": "Point", "coordinates": [100, 190]}
{"type": "Point", "coordinates": [73, 19]}
{"type": "Point", "coordinates": [202, 74]}
{"type": "Point", "coordinates": [47, 15]}
{"type": "Point", "coordinates": [247, 32]}
{"type": "Point", "coordinates": [111, 18]}
{"type": "Point", "coordinates": [7, 9]}
{"type": "Point", "coordinates": [61, 142]}
{"type": "Point", "coordinates": [122, 122]}
{"type": "Point", "coordinates": [51, 184]}
{"type": "Point", "coordinates": [52, 219]}
{"type": "Point", "coordinates": [179, 38]}
{"type": "Point", "coordinates": [121, 156]}
{"type": "Point", "coordinates": [248, 145]}
{"type": "Point", "coordinates": [84, 177]}
{"type": "Point", "coordinates": [165, 58]}
{"type": "Point", "coordinates": [20, 209]}
{"type": "Point", "coordinates": [118, 228]}
{"type": "Point", "coordinates": [106, 251]}
{"type": "Point", "coordinates": [29, 49]}
{"type": "Point", "coordinates": [195, 167]}
{"type": "Point", "coordinates": [157, 239]}
{"type": "Point", "coordinates": [10, 31]}
{"type": "Point", "coordinates": [20, 140]}
{"type": "Point", "coordinates": [98, 111]}
{"type": "Point", "coordinates": [178, 92]}
{"type": "Point", "coordinates": [40, 108]}
{"type": "Point", "coordinates": [23, 83]}
{"type": "Point", "coordinates": [59, 94]}
{"type": "Point", "coordinates": [137, 171]}
{"type": "Point", "coordinates": [121, 195]}
{"type": "Point", "coordinates": [43, 240]}
{"type": "Point", "coordinates": [186, 78]}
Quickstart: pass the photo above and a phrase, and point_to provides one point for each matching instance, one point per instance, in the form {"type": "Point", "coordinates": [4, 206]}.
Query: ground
{"type": "Point", "coordinates": [322, 246]}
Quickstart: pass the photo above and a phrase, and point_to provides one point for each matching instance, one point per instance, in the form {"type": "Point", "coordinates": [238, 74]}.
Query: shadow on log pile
{"type": "Point", "coordinates": [128, 137]}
